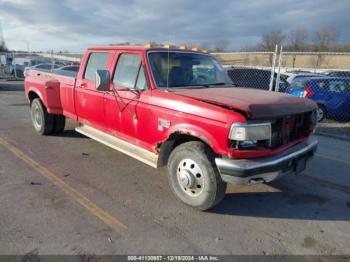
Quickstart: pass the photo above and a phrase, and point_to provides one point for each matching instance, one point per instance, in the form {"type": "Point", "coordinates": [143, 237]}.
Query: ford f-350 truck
{"type": "Point", "coordinates": [177, 108]}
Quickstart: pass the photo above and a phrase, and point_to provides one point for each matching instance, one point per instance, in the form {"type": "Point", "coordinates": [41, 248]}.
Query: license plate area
{"type": "Point", "coordinates": [297, 165]}
{"type": "Point", "coordinates": [300, 165]}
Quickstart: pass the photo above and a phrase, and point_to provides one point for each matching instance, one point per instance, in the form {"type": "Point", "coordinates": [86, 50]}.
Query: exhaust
{"type": "Point", "coordinates": [255, 181]}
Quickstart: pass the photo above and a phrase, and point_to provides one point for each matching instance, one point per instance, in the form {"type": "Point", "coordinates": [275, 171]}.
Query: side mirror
{"type": "Point", "coordinates": [102, 80]}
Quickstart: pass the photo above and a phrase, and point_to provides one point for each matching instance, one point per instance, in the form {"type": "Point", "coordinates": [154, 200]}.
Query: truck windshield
{"type": "Point", "coordinates": [176, 69]}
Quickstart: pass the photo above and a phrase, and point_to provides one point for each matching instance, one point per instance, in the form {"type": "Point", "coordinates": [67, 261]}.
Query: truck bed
{"type": "Point", "coordinates": [55, 90]}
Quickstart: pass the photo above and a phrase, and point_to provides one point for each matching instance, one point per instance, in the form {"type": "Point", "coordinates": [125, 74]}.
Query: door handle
{"type": "Point", "coordinates": [82, 85]}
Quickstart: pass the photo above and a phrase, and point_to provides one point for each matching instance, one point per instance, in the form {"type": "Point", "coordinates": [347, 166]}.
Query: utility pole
{"type": "Point", "coordinates": [2, 39]}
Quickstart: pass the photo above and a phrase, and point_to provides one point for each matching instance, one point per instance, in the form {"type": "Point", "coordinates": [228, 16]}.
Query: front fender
{"type": "Point", "coordinates": [195, 131]}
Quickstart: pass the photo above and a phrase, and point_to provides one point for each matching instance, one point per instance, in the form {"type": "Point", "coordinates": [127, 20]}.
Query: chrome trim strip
{"type": "Point", "coordinates": [129, 149]}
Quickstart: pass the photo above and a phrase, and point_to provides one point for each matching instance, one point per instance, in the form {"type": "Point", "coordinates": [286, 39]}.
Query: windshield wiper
{"type": "Point", "coordinates": [214, 84]}
{"type": "Point", "coordinates": [219, 84]}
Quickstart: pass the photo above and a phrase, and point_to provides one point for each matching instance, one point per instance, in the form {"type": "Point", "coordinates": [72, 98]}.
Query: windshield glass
{"type": "Point", "coordinates": [184, 69]}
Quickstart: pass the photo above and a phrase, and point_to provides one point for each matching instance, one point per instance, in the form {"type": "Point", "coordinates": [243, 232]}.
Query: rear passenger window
{"type": "Point", "coordinates": [322, 84]}
{"type": "Point", "coordinates": [129, 72]}
{"type": "Point", "coordinates": [96, 61]}
{"type": "Point", "coordinates": [337, 86]}
{"type": "Point", "coordinates": [301, 84]}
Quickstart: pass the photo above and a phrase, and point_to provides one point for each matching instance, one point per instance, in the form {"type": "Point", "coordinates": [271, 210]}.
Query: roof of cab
{"type": "Point", "coordinates": [140, 48]}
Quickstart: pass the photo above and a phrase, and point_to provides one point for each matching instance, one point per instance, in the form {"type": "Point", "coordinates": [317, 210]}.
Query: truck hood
{"type": "Point", "coordinates": [255, 103]}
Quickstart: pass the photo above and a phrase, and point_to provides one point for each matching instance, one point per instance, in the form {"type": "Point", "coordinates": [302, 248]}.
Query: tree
{"type": "Point", "coordinates": [220, 45]}
{"type": "Point", "coordinates": [270, 40]}
{"type": "Point", "coordinates": [325, 38]}
{"type": "Point", "coordinates": [297, 41]}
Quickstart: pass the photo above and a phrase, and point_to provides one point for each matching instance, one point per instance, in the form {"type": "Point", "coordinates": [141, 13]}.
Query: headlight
{"type": "Point", "coordinates": [250, 132]}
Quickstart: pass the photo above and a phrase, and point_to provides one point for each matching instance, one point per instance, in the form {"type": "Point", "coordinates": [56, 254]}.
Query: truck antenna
{"type": "Point", "coordinates": [168, 69]}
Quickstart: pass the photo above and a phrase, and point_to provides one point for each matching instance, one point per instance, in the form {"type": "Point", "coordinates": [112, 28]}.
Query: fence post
{"type": "Point", "coordinates": [14, 66]}
{"type": "Point", "coordinates": [277, 87]}
{"type": "Point", "coordinates": [273, 68]}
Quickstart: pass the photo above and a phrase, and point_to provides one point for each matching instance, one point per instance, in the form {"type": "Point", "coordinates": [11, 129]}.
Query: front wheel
{"type": "Point", "coordinates": [193, 176]}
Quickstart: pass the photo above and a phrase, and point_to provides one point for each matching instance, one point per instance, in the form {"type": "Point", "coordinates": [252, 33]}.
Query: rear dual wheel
{"type": "Point", "coordinates": [43, 122]}
{"type": "Point", "coordinates": [193, 176]}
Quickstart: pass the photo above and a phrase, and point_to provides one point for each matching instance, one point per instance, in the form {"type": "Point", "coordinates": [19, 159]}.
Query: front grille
{"type": "Point", "coordinates": [289, 128]}
{"type": "Point", "coordinates": [284, 130]}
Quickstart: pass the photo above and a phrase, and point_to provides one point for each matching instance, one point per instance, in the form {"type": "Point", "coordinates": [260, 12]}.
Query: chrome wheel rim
{"type": "Point", "coordinates": [37, 116]}
{"type": "Point", "coordinates": [190, 177]}
{"type": "Point", "coordinates": [320, 114]}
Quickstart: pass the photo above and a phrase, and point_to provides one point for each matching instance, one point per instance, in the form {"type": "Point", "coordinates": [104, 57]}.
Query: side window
{"type": "Point", "coordinates": [299, 83]}
{"type": "Point", "coordinates": [96, 61]}
{"type": "Point", "coordinates": [322, 84]}
{"type": "Point", "coordinates": [129, 72]}
{"type": "Point", "coordinates": [141, 83]}
{"type": "Point", "coordinates": [337, 86]}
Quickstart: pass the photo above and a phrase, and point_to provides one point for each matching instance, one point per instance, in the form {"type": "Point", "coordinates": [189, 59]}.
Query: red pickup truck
{"type": "Point", "coordinates": [177, 108]}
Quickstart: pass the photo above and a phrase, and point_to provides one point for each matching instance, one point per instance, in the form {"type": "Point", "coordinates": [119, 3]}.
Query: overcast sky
{"type": "Point", "coordinates": [76, 24]}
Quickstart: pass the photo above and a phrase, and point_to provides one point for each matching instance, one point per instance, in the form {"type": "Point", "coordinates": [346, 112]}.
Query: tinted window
{"type": "Point", "coordinates": [321, 84]}
{"type": "Point", "coordinates": [127, 69]}
{"type": "Point", "coordinates": [300, 83]}
{"type": "Point", "coordinates": [71, 68]}
{"type": "Point", "coordinates": [44, 66]}
{"type": "Point", "coordinates": [338, 86]}
{"type": "Point", "coordinates": [96, 61]}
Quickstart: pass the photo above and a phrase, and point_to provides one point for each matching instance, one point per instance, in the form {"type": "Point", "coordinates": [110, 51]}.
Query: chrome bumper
{"type": "Point", "coordinates": [260, 170]}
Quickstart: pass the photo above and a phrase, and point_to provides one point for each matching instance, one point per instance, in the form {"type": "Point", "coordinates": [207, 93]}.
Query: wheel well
{"type": "Point", "coordinates": [321, 105]}
{"type": "Point", "coordinates": [165, 148]}
{"type": "Point", "coordinates": [32, 95]}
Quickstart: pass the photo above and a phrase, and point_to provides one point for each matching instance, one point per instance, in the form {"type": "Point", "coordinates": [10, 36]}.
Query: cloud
{"type": "Point", "coordinates": [77, 24]}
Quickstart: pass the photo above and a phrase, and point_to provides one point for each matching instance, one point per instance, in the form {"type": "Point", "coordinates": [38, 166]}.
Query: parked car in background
{"type": "Point", "coordinates": [256, 78]}
{"type": "Point", "coordinates": [332, 95]}
{"type": "Point", "coordinates": [338, 73]}
{"type": "Point", "coordinates": [73, 68]}
{"type": "Point", "coordinates": [46, 67]}
{"type": "Point", "coordinates": [69, 70]}
{"type": "Point", "coordinates": [291, 76]}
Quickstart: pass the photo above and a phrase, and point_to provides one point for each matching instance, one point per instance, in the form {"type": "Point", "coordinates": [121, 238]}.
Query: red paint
{"type": "Point", "coordinates": [204, 113]}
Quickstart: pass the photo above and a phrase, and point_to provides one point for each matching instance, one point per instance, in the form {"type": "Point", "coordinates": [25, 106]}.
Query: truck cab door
{"type": "Point", "coordinates": [125, 107]}
{"type": "Point", "coordinates": [89, 101]}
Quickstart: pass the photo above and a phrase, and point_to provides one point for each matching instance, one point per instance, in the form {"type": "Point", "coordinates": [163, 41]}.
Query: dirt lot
{"type": "Point", "coordinates": [68, 194]}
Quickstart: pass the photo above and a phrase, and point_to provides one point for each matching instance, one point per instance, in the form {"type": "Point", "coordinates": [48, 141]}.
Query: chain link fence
{"type": "Point", "coordinates": [323, 77]}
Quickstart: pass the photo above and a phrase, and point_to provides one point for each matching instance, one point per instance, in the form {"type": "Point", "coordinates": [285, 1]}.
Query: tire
{"type": "Point", "coordinates": [43, 122]}
{"type": "Point", "coordinates": [59, 123]}
{"type": "Point", "coordinates": [321, 113]}
{"type": "Point", "coordinates": [193, 176]}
